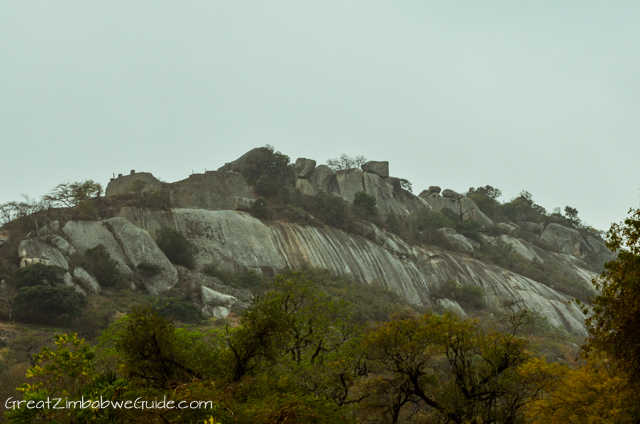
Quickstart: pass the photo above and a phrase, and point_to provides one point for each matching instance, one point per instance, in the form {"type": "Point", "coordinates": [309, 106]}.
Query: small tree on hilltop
{"type": "Point", "coordinates": [346, 162]}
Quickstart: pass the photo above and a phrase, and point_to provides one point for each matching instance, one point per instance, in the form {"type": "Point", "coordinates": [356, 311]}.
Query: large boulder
{"type": "Point", "coordinates": [469, 211]}
{"type": "Point", "coordinates": [123, 184]}
{"type": "Point", "coordinates": [86, 280]}
{"type": "Point", "coordinates": [451, 194]}
{"type": "Point", "coordinates": [38, 251]}
{"type": "Point", "coordinates": [565, 240]}
{"type": "Point", "coordinates": [508, 228]}
{"type": "Point", "coordinates": [215, 304]}
{"type": "Point", "coordinates": [305, 167]}
{"type": "Point", "coordinates": [601, 252]}
{"type": "Point", "coordinates": [378, 168]}
{"type": "Point", "coordinates": [438, 203]}
{"type": "Point", "coordinates": [139, 247]}
{"type": "Point", "coordinates": [213, 190]}
{"type": "Point", "coordinates": [85, 235]}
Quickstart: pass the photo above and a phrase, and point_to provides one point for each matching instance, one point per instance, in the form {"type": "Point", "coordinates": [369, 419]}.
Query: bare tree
{"type": "Point", "coordinates": [346, 162]}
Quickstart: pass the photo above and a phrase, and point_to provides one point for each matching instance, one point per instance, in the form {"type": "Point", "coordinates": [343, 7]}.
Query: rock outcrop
{"type": "Point", "coordinates": [379, 168]}
{"type": "Point", "coordinates": [305, 167]}
{"type": "Point", "coordinates": [127, 244]}
{"type": "Point", "coordinates": [238, 241]}
{"type": "Point", "coordinates": [462, 206]}
{"type": "Point", "coordinates": [123, 184]}
{"type": "Point", "coordinates": [565, 240]}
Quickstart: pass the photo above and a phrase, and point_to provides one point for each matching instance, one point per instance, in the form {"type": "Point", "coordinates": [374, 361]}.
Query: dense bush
{"type": "Point", "coordinates": [268, 171]}
{"type": "Point", "coordinates": [98, 262]}
{"type": "Point", "coordinates": [174, 307]}
{"type": "Point", "coordinates": [49, 301]}
{"type": "Point", "coordinates": [365, 205]}
{"type": "Point", "coordinates": [178, 249]}
{"type": "Point", "coordinates": [38, 274]}
{"type": "Point", "coordinates": [250, 279]}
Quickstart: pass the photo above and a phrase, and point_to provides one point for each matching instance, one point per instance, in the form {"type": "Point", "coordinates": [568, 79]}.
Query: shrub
{"type": "Point", "coordinates": [268, 171]}
{"type": "Point", "coordinates": [38, 274]}
{"type": "Point", "coordinates": [98, 262]}
{"type": "Point", "coordinates": [179, 309]}
{"type": "Point", "coordinates": [365, 204]}
{"type": "Point", "coordinates": [147, 270]}
{"type": "Point", "coordinates": [260, 209]}
{"type": "Point", "coordinates": [331, 209]}
{"type": "Point", "coordinates": [50, 301]}
{"type": "Point", "coordinates": [178, 249]}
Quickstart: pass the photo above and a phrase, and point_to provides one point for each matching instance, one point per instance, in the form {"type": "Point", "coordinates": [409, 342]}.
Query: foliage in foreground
{"type": "Point", "coordinates": [297, 357]}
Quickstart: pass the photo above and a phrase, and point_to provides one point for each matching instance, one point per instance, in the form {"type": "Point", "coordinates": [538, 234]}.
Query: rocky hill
{"type": "Point", "coordinates": [219, 211]}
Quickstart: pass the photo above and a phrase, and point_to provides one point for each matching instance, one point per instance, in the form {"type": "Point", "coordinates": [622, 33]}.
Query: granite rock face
{"type": "Point", "coordinates": [457, 241]}
{"type": "Point", "coordinates": [127, 244]}
{"type": "Point", "coordinates": [458, 204]}
{"type": "Point", "coordinates": [565, 240]}
{"type": "Point", "coordinates": [237, 241]}
{"type": "Point", "coordinates": [42, 252]}
{"type": "Point", "coordinates": [86, 281]}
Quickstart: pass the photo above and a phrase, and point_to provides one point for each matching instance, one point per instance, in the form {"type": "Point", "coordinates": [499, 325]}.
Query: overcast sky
{"type": "Point", "coordinates": [542, 96]}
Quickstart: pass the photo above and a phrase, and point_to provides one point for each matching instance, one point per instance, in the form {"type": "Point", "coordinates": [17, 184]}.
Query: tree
{"type": "Point", "coordinates": [268, 171]}
{"type": "Point", "coordinates": [614, 322]}
{"type": "Point", "coordinates": [345, 162]}
{"type": "Point", "coordinates": [365, 204]}
{"type": "Point", "coordinates": [138, 185]}
{"type": "Point", "coordinates": [38, 274]}
{"type": "Point", "coordinates": [71, 194]}
{"type": "Point", "coordinates": [451, 370]}
{"type": "Point", "coordinates": [50, 301]}
{"type": "Point", "coordinates": [178, 249]}
{"type": "Point", "coordinates": [8, 294]}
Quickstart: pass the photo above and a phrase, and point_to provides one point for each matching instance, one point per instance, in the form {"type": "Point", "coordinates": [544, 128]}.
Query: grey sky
{"type": "Point", "coordinates": [536, 96]}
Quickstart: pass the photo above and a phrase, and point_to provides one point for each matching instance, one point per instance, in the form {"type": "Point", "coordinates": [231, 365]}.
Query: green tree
{"type": "Point", "coordinates": [98, 261]}
{"type": "Point", "coordinates": [365, 204]}
{"type": "Point", "coordinates": [268, 171]}
{"type": "Point", "coordinates": [178, 249]}
{"type": "Point", "coordinates": [38, 274]}
{"type": "Point", "coordinates": [449, 370]}
{"type": "Point", "coordinates": [50, 301]}
{"type": "Point", "coordinates": [614, 321]}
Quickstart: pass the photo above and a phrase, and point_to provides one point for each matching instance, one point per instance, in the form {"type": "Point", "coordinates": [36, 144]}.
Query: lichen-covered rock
{"type": "Point", "coordinates": [565, 240]}
{"type": "Point", "coordinates": [213, 190]}
{"type": "Point", "coordinates": [378, 168]}
{"type": "Point", "coordinates": [123, 185]}
{"type": "Point", "coordinates": [434, 189]}
{"type": "Point", "coordinates": [520, 247]}
{"type": "Point", "coordinates": [139, 247]}
{"type": "Point", "coordinates": [86, 280]}
{"type": "Point", "coordinates": [47, 254]}
{"type": "Point", "coordinates": [305, 167]}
